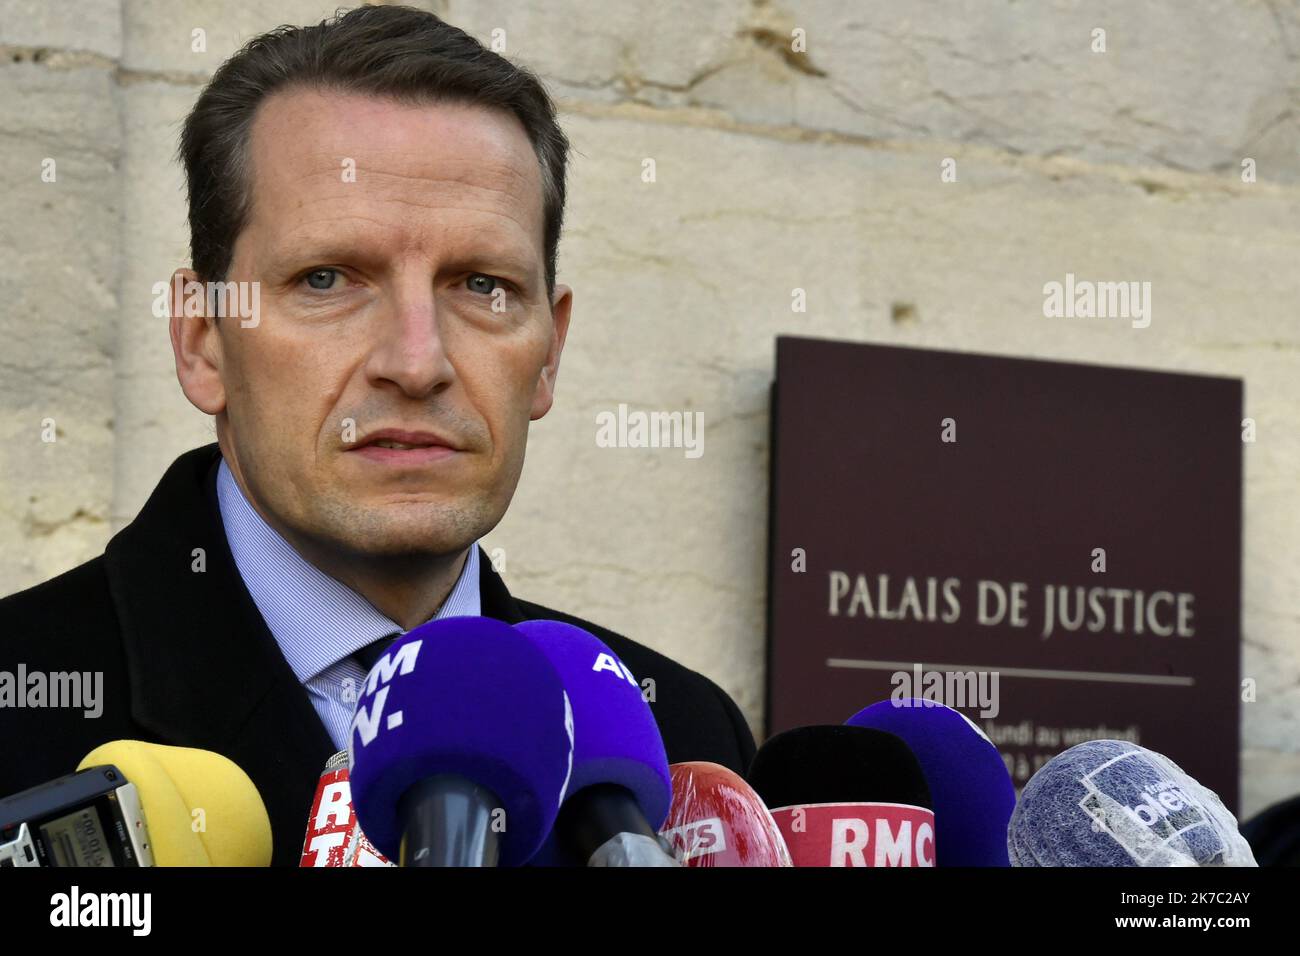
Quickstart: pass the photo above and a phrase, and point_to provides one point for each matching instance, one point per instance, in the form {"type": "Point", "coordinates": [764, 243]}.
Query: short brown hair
{"type": "Point", "coordinates": [392, 51]}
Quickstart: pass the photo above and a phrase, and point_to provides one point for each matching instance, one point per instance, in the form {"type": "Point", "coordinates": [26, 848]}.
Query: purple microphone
{"type": "Point", "coordinates": [462, 746]}
{"type": "Point", "coordinates": [972, 791]}
{"type": "Point", "coordinates": [621, 789]}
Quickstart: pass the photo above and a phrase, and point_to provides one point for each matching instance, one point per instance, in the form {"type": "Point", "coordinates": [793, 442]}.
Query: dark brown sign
{"type": "Point", "coordinates": [1053, 548]}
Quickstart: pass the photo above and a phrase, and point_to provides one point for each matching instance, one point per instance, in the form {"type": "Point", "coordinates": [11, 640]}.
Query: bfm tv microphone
{"type": "Point", "coordinates": [846, 796]}
{"type": "Point", "coordinates": [620, 790]}
{"type": "Point", "coordinates": [1113, 803]}
{"type": "Point", "coordinates": [717, 819]}
{"type": "Point", "coordinates": [461, 746]}
{"type": "Point", "coordinates": [969, 783]}
{"type": "Point", "coordinates": [334, 838]}
{"type": "Point", "coordinates": [132, 803]}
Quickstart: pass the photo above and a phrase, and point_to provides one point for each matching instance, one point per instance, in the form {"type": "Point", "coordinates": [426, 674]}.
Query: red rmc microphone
{"type": "Point", "coordinates": [858, 834]}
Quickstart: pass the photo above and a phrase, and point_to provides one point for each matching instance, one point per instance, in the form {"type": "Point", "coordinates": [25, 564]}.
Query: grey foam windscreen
{"type": "Point", "coordinates": [1113, 803]}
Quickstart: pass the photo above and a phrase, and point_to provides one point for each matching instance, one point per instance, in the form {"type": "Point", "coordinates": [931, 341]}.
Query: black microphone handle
{"type": "Point", "coordinates": [596, 813]}
{"type": "Point", "coordinates": [447, 821]}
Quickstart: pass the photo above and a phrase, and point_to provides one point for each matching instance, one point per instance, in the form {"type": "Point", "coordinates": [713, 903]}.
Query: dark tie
{"type": "Point", "coordinates": [371, 653]}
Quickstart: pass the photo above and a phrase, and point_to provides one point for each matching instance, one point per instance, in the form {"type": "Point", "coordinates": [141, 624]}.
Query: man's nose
{"type": "Point", "coordinates": [410, 348]}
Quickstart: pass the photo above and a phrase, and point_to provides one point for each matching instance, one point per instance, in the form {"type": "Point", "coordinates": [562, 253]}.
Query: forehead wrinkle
{"type": "Point", "coordinates": [418, 223]}
{"type": "Point", "coordinates": [387, 185]}
{"type": "Point", "coordinates": [431, 196]}
{"type": "Point", "coordinates": [474, 172]}
{"type": "Point", "coordinates": [405, 235]}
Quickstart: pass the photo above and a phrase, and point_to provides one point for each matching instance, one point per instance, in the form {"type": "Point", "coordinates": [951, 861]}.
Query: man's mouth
{"type": "Point", "coordinates": [387, 443]}
{"type": "Point", "coordinates": [393, 446]}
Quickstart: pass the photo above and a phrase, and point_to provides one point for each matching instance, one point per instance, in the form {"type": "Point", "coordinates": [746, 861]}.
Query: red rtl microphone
{"type": "Point", "coordinates": [716, 819]}
{"type": "Point", "coordinates": [334, 837]}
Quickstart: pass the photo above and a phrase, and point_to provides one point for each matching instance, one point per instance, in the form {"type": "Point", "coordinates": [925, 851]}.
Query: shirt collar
{"type": "Point", "coordinates": [315, 619]}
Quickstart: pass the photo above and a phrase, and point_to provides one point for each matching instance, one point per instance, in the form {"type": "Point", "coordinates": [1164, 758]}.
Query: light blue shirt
{"type": "Point", "coordinates": [318, 622]}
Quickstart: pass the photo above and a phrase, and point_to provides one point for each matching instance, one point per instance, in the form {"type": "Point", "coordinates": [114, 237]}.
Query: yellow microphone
{"type": "Point", "coordinates": [199, 807]}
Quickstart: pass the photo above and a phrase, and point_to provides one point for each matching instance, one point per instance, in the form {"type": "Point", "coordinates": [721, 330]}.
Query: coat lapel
{"type": "Point", "coordinates": [494, 598]}
{"type": "Point", "coordinates": [203, 667]}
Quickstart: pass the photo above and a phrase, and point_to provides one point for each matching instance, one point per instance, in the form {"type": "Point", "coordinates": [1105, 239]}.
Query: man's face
{"type": "Point", "coordinates": [400, 254]}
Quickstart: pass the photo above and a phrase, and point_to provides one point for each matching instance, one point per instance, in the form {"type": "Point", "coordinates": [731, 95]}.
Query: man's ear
{"type": "Point", "coordinates": [561, 304]}
{"type": "Point", "coordinates": [196, 344]}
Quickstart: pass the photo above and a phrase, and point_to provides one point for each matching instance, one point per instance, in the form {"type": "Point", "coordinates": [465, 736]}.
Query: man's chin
{"type": "Point", "coordinates": [411, 530]}
{"type": "Point", "coordinates": [407, 546]}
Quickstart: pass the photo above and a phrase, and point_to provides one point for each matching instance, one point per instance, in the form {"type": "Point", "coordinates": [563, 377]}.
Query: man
{"type": "Point", "coordinates": [387, 195]}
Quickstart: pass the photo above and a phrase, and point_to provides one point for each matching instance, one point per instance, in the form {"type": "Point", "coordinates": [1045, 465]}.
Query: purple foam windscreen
{"type": "Point", "coordinates": [466, 696]}
{"type": "Point", "coordinates": [972, 791]}
{"type": "Point", "coordinates": [616, 739]}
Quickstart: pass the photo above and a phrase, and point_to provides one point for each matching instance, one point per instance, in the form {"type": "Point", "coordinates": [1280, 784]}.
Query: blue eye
{"type": "Point", "coordinates": [321, 279]}
{"type": "Point", "coordinates": [478, 282]}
